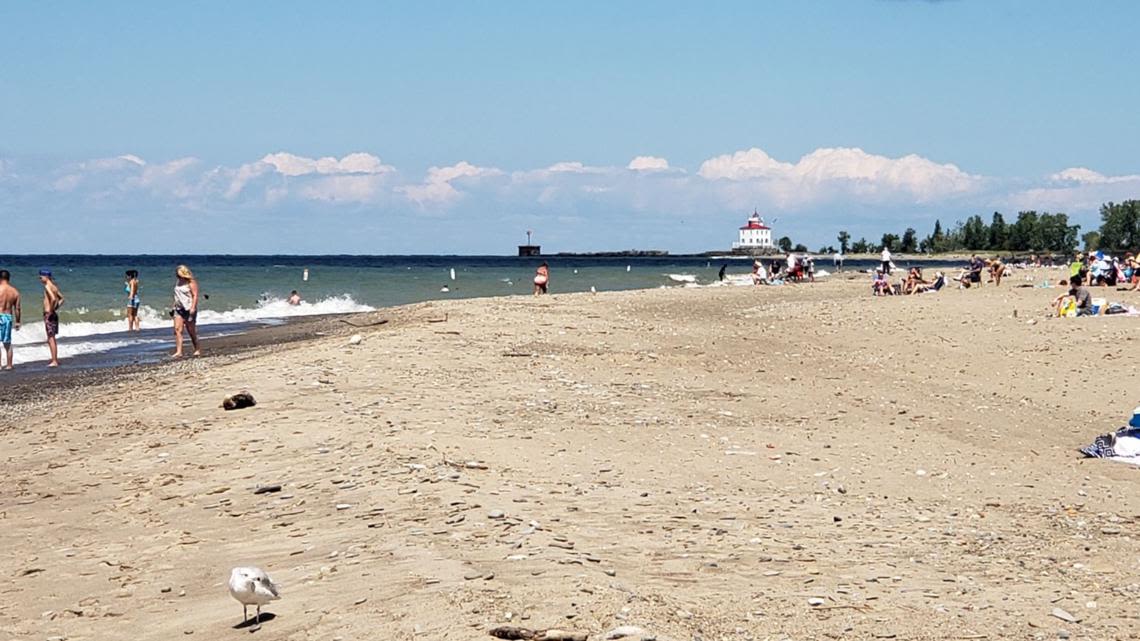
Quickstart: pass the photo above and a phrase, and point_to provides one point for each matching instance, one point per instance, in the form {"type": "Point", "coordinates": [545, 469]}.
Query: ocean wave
{"type": "Point", "coordinates": [276, 308]}
{"type": "Point", "coordinates": [682, 278]}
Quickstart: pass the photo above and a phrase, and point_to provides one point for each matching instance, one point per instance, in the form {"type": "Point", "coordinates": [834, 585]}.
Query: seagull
{"type": "Point", "coordinates": [252, 586]}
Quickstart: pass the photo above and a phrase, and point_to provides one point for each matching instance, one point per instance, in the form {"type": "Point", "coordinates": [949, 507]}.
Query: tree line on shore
{"type": "Point", "coordinates": [1031, 231]}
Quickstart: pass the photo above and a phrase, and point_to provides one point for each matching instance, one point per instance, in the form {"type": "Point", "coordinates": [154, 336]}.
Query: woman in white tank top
{"type": "Point", "coordinates": [185, 309]}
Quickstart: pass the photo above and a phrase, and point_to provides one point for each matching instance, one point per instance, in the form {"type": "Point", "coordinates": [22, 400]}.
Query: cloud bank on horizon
{"type": "Point", "coordinates": [289, 203]}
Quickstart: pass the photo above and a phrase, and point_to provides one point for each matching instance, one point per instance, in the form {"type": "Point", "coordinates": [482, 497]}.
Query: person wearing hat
{"type": "Point", "coordinates": [185, 309]}
{"type": "Point", "coordinates": [53, 300]}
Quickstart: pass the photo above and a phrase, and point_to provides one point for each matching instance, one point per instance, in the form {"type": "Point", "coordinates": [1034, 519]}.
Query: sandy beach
{"type": "Point", "coordinates": [799, 462]}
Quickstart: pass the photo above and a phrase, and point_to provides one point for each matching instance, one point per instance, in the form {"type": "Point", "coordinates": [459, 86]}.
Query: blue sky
{"type": "Point", "coordinates": [118, 118]}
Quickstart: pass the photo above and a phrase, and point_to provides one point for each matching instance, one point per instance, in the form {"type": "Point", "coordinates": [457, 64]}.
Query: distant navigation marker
{"type": "Point", "coordinates": [528, 249]}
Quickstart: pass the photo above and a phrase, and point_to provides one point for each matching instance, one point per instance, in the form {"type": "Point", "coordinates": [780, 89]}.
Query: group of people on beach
{"type": "Point", "coordinates": [793, 268]}
{"type": "Point", "coordinates": [1097, 269]}
{"type": "Point", "coordinates": [11, 314]}
{"type": "Point", "coordinates": [184, 310]}
{"type": "Point", "coordinates": [915, 283]}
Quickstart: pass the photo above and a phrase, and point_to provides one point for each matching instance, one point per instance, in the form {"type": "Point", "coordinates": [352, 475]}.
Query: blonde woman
{"type": "Point", "coordinates": [185, 309]}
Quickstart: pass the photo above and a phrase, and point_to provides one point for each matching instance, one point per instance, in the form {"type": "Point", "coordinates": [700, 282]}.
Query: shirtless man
{"type": "Point", "coordinates": [9, 313]}
{"type": "Point", "coordinates": [53, 300]}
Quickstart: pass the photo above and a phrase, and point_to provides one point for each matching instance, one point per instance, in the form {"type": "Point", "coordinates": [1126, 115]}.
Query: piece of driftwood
{"type": "Point", "coordinates": [238, 401]}
{"type": "Point", "coordinates": [347, 321]}
{"type": "Point", "coordinates": [512, 632]}
{"type": "Point", "coordinates": [562, 635]}
{"type": "Point", "coordinates": [438, 320]}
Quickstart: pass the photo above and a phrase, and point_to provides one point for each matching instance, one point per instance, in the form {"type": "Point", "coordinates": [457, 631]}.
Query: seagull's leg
{"type": "Point", "coordinates": [258, 621]}
{"type": "Point", "coordinates": [244, 613]}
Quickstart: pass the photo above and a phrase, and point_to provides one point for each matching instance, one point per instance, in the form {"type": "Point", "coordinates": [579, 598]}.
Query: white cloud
{"type": "Point", "coordinates": [1074, 189]}
{"type": "Point", "coordinates": [438, 187]}
{"type": "Point", "coordinates": [830, 173]}
{"type": "Point", "coordinates": [648, 163]}
{"type": "Point", "coordinates": [1085, 176]}
{"type": "Point", "coordinates": [357, 163]}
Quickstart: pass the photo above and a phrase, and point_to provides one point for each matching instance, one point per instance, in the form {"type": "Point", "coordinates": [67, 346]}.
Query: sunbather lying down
{"type": "Point", "coordinates": [924, 287]}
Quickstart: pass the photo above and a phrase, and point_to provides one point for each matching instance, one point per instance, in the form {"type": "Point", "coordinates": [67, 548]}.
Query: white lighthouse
{"type": "Point", "coordinates": [754, 234]}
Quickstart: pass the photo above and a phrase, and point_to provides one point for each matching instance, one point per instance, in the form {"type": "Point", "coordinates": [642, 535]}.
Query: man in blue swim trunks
{"type": "Point", "coordinates": [9, 314]}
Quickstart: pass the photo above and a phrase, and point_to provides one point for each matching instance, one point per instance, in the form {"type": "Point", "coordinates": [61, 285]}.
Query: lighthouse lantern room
{"type": "Point", "coordinates": [754, 234]}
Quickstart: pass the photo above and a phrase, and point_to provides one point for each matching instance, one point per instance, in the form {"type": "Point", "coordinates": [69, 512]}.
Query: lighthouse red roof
{"type": "Point", "coordinates": [755, 222]}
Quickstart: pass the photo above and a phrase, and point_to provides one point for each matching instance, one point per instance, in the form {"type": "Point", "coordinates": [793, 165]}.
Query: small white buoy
{"type": "Point", "coordinates": [305, 275]}
{"type": "Point", "coordinates": [452, 273]}
{"type": "Point", "coordinates": [592, 290]}
{"type": "Point", "coordinates": [445, 289]}
{"type": "Point", "coordinates": [627, 268]}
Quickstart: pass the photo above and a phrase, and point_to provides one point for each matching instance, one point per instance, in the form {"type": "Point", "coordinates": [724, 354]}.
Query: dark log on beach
{"type": "Point", "coordinates": [512, 632]}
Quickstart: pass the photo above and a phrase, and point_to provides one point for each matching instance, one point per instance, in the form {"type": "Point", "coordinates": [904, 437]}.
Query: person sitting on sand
{"type": "Point", "coordinates": [759, 276]}
{"type": "Point", "coordinates": [1131, 271]}
{"type": "Point", "coordinates": [541, 279]}
{"type": "Point", "coordinates": [937, 285]}
{"type": "Point", "coordinates": [913, 281]}
{"type": "Point", "coordinates": [1078, 295]}
{"type": "Point", "coordinates": [975, 270]}
{"type": "Point", "coordinates": [294, 298]}
{"type": "Point", "coordinates": [880, 286]}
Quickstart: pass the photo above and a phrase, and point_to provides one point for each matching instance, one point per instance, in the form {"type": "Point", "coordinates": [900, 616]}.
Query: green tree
{"type": "Point", "coordinates": [909, 242]}
{"type": "Point", "coordinates": [952, 240]}
{"type": "Point", "coordinates": [844, 238]}
{"type": "Point", "coordinates": [1091, 240]}
{"type": "Point", "coordinates": [1024, 235]}
{"type": "Point", "coordinates": [890, 241]}
{"type": "Point", "coordinates": [975, 235]}
{"type": "Point", "coordinates": [861, 246]}
{"type": "Point", "coordinates": [999, 232]}
{"type": "Point", "coordinates": [785, 244]}
{"type": "Point", "coordinates": [1120, 225]}
{"type": "Point", "coordinates": [1055, 233]}
{"type": "Point", "coordinates": [800, 248]}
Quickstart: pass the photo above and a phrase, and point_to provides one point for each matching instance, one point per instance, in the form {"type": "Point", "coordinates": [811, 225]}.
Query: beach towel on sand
{"type": "Point", "coordinates": [1122, 445]}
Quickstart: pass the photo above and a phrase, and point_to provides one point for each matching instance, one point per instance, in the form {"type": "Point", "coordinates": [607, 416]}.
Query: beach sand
{"type": "Point", "coordinates": [702, 463]}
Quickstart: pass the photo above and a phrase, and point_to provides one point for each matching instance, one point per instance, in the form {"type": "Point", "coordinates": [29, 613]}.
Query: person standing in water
{"type": "Point", "coordinates": [541, 279]}
{"type": "Point", "coordinates": [9, 314]}
{"type": "Point", "coordinates": [720, 274]}
{"type": "Point", "coordinates": [185, 309]}
{"type": "Point", "coordinates": [294, 298]}
{"type": "Point", "coordinates": [131, 287]}
{"type": "Point", "coordinates": [53, 300]}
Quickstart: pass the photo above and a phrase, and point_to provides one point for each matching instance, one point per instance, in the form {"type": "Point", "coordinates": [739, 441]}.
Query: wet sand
{"type": "Point", "coordinates": [697, 462]}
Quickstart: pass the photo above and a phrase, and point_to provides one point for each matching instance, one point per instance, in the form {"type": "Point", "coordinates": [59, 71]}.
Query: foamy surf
{"type": "Point", "coordinates": [682, 278]}
{"type": "Point", "coordinates": [30, 341]}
